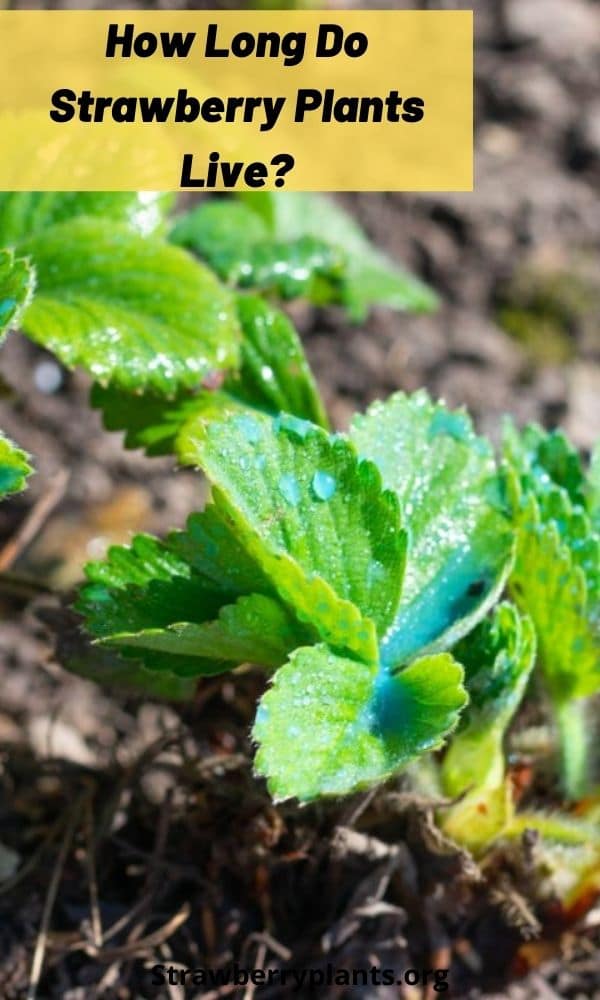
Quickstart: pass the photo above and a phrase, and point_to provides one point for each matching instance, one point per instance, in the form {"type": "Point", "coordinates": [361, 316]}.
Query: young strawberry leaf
{"type": "Point", "coordinates": [460, 545]}
{"type": "Point", "coordinates": [313, 517]}
{"type": "Point", "coordinates": [550, 583]}
{"type": "Point", "coordinates": [143, 585]}
{"type": "Point", "coordinates": [299, 545]}
{"type": "Point", "coordinates": [237, 243]}
{"type": "Point", "coordinates": [17, 282]}
{"type": "Point", "coordinates": [274, 374]}
{"type": "Point", "coordinates": [191, 574]}
{"type": "Point", "coordinates": [25, 214]}
{"type": "Point", "coordinates": [556, 577]}
{"type": "Point", "coordinates": [133, 311]}
{"type": "Point", "coordinates": [543, 459]}
{"type": "Point", "coordinates": [212, 549]}
{"type": "Point", "coordinates": [14, 467]}
{"type": "Point", "coordinates": [331, 725]}
{"type": "Point", "coordinates": [256, 629]}
{"type": "Point", "coordinates": [370, 277]}
{"type": "Point", "coordinates": [193, 604]}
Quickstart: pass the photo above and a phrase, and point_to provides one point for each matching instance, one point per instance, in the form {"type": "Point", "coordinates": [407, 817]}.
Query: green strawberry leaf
{"type": "Point", "coordinates": [104, 666]}
{"type": "Point", "coordinates": [212, 549]}
{"type": "Point", "coordinates": [273, 375]}
{"type": "Point", "coordinates": [168, 603]}
{"type": "Point", "coordinates": [313, 517]}
{"type": "Point", "coordinates": [114, 298]}
{"type": "Point", "coordinates": [236, 242]}
{"type": "Point", "coordinates": [556, 578]}
{"type": "Point", "coordinates": [14, 467]}
{"type": "Point", "coordinates": [460, 545]}
{"type": "Point", "coordinates": [24, 214]}
{"type": "Point", "coordinates": [331, 725]}
{"type": "Point", "coordinates": [188, 576]}
{"type": "Point", "coordinates": [17, 282]}
{"type": "Point", "coordinates": [154, 422]}
{"type": "Point", "coordinates": [131, 310]}
{"type": "Point", "coordinates": [575, 530]}
{"type": "Point", "coordinates": [256, 629]}
{"type": "Point", "coordinates": [144, 585]}
{"type": "Point", "coordinates": [370, 277]}
{"type": "Point", "coordinates": [224, 231]}
{"type": "Point", "coordinates": [498, 657]}
{"type": "Point", "coordinates": [550, 583]}
{"type": "Point", "coordinates": [543, 459]}
{"type": "Point", "coordinates": [304, 267]}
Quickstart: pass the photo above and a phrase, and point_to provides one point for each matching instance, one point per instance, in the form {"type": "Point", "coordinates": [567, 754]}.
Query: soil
{"type": "Point", "coordinates": [133, 832]}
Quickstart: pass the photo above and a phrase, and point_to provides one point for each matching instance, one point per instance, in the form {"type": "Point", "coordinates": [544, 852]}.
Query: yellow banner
{"type": "Point", "coordinates": [212, 100]}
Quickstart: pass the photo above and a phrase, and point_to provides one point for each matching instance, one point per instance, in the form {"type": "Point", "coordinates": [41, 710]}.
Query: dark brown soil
{"type": "Point", "coordinates": [144, 820]}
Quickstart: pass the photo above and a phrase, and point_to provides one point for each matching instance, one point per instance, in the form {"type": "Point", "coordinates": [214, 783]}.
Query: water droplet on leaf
{"type": "Point", "coordinates": [324, 485]}
{"type": "Point", "coordinates": [289, 487]}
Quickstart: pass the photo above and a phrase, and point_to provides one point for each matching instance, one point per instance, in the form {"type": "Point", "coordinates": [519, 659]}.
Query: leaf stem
{"type": "Point", "coordinates": [573, 743]}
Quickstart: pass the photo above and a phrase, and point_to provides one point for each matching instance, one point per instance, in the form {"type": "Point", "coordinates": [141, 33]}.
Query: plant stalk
{"type": "Point", "coordinates": [574, 747]}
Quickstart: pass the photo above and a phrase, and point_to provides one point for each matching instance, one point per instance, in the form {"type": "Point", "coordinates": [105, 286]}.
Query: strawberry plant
{"type": "Point", "coordinates": [402, 585]}
{"type": "Point", "coordinates": [362, 569]}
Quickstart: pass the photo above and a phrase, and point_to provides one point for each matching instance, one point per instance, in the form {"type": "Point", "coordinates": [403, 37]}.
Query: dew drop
{"type": "Point", "coordinates": [289, 487]}
{"type": "Point", "coordinates": [324, 485]}
{"type": "Point", "coordinates": [249, 427]}
{"type": "Point", "coordinates": [262, 714]}
{"type": "Point", "coordinates": [295, 425]}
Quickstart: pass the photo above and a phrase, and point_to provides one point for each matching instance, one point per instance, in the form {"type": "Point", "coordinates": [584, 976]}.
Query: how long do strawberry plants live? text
{"type": "Point", "coordinates": [290, 47]}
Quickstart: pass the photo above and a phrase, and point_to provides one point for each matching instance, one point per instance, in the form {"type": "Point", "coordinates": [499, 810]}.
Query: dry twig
{"type": "Point", "coordinates": [42, 938]}
{"type": "Point", "coordinates": [35, 520]}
